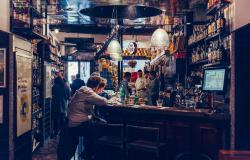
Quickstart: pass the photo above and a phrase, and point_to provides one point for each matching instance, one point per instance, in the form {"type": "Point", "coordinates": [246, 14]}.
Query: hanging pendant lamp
{"type": "Point", "coordinates": [160, 38]}
{"type": "Point", "coordinates": [115, 50]}
{"type": "Point", "coordinates": [116, 57]}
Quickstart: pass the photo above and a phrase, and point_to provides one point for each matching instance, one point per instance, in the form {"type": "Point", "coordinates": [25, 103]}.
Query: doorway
{"type": "Point", "coordinates": [81, 67]}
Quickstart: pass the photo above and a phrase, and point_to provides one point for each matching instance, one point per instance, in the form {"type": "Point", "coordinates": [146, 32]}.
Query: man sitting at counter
{"type": "Point", "coordinates": [81, 111]}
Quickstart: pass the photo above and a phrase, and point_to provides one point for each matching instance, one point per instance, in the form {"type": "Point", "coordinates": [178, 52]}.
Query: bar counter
{"type": "Point", "coordinates": [186, 130]}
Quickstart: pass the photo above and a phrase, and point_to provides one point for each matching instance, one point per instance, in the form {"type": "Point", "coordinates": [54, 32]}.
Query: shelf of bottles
{"type": "Point", "coordinates": [37, 109]}
{"type": "Point", "coordinates": [56, 62]}
{"type": "Point", "coordinates": [28, 16]}
{"type": "Point", "coordinates": [212, 54]}
{"type": "Point", "coordinates": [210, 42]}
{"type": "Point", "coordinates": [214, 5]}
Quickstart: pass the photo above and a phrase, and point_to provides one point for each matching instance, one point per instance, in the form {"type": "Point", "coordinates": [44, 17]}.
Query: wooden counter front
{"type": "Point", "coordinates": [234, 155]}
{"type": "Point", "coordinates": [187, 130]}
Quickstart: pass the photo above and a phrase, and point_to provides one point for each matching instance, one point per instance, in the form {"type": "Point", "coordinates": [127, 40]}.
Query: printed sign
{"type": "Point", "coordinates": [24, 81]}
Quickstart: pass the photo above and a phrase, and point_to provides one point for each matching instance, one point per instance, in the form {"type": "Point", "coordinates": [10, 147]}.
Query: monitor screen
{"type": "Point", "coordinates": [214, 79]}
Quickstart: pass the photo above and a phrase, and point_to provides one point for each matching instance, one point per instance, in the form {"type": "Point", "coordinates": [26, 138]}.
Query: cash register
{"type": "Point", "coordinates": [214, 81]}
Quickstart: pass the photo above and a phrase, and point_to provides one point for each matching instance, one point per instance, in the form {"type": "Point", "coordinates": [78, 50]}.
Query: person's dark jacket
{"type": "Point", "coordinates": [76, 84]}
{"type": "Point", "coordinates": [155, 87]}
{"type": "Point", "coordinates": [60, 96]}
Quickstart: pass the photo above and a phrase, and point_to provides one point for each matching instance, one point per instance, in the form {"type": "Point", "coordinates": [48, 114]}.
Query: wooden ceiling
{"type": "Point", "coordinates": [65, 14]}
{"type": "Point", "coordinates": [68, 10]}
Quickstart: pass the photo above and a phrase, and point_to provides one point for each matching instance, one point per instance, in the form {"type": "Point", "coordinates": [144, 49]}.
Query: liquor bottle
{"type": "Point", "coordinates": [196, 56]}
{"type": "Point", "coordinates": [136, 99]}
{"type": "Point", "coordinates": [193, 56]}
{"type": "Point", "coordinates": [218, 53]}
{"type": "Point", "coordinates": [122, 94]}
{"type": "Point", "coordinates": [222, 21]}
{"type": "Point", "coordinates": [198, 53]}
{"type": "Point", "coordinates": [204, 52]}
{"type": "Point", "coordinates": [209, 29]}
{"type": "Point", "coordinates": [209, 52]}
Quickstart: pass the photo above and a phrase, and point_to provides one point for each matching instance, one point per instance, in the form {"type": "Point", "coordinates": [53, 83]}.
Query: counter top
{"type": "Point", "coordinates": [176, 111]}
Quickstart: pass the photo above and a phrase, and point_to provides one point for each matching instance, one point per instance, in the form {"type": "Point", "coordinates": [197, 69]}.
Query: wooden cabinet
{"type": "Point", "coordinates": [181, 131]}
{"type": "Point", "coordinates": [207, 139]}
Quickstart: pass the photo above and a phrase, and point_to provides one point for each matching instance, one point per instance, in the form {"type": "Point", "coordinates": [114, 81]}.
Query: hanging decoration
{"type": "Point", "coordinates": [132, 63]}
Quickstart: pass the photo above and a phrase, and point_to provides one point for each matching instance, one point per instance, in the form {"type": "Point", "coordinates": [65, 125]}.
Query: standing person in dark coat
{"type": "Point", "coordinates": [154, 88]}
{"type": "Point", "coordinates": [124, 84]}
{"type": "Point", "coordinates": [60, 97]}
{"type": "Point", "coordinates": [76, 84]}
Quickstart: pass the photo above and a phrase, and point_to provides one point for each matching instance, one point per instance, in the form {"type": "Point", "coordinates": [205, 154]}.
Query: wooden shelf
{"type": "Point", "coordinates": [216, 7]}
{"type": "Point", "coordinates": [206, 63]}
{"type": "Point", "coordinates": [36, 13]}
{"type": "Point", "coordinates": [134, 57]}
{"type": "Point", "coordinates": [28, 33]}
{"type": "Point", "coordinates": [36, 112]}
{"type": "Point", "coordinates": [197, 42]}
{"type": "Point", "coordinates": [20, 24]}
{"type": "Point", "coordinates": [220, 35]}
{"type": "Point", "coordinates": [199, 62]}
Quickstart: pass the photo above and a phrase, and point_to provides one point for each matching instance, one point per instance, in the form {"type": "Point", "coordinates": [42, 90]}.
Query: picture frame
{"type": "Point", "coordinates": [1, 109]}
{"type": "Point", "coordinates": [23, 91]}
{"type": "Point", "coordinates": [2, 67]}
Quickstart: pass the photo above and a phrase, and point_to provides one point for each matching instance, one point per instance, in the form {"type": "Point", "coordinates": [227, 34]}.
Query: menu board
{"type": "Point", "coordinates": [24, 81]}
{"type": "Point", "coordinates": [214, 79]}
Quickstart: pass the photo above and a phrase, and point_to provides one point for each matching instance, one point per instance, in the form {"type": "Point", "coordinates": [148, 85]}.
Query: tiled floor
{"type": "Point", "coordinates": [49, 151]}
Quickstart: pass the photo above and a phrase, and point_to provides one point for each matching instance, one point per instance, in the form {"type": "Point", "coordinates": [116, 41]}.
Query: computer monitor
{"type": "Point", "coordinates": [214, 79]}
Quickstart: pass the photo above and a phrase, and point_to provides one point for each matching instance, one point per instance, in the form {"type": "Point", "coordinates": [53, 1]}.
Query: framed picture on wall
{"type": "Point", "coordinates": [1, 109]}
{"type": "Point", "coordinates": [2, 67]}
{"type": "Point", "coordinates": [23, 90]}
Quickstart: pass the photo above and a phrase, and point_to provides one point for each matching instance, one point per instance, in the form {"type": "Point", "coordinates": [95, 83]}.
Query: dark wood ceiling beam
{"type": "Point", "coordinates": [93, 29]}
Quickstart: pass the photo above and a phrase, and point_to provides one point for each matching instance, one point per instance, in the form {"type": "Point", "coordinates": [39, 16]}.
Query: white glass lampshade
{"type": "Point", "coordinates": [114, 47]}
{"type": "Point", "coordinates": [160, 38]}
{"type": "Point", "coordinates": [116, 57]}
{"type": "Point", "coordinates": [115, 50]}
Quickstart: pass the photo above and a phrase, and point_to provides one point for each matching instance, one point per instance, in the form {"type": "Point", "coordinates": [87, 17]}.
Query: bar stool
{"type": "Point", "coordinates": [145, 140]}
{"type": "Point", "coordinates": [192, 156]}
{"type": "Point", "coordinates": [111, 144]}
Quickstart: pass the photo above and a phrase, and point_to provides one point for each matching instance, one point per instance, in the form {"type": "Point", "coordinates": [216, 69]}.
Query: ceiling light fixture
{"type": "Point", "coordinates": [160, 37]}
{"type": "Point", "coordinates": [114, 47]}
{"type": "Point", "coordinates": [115, 50]}
{"type": "Point", "coordinates": [56, 31]}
